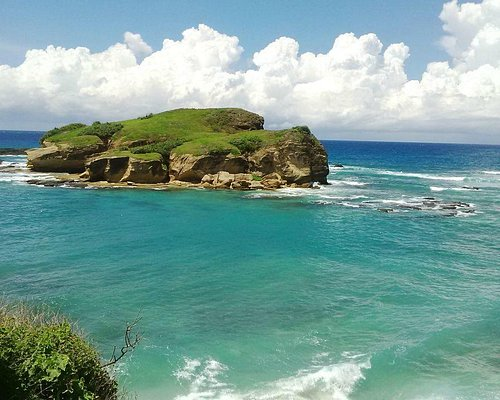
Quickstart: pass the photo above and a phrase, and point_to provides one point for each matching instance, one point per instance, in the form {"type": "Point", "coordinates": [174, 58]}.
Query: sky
{"type": "Point", "coordinates": [358, 69]}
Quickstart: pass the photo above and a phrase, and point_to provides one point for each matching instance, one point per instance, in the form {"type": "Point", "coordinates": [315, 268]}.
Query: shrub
{"type": "Point", "coordinates": [217, 150]}
{"type": "Point", "coordinates": [42, 357]}
{"type": "Point", "coordinates": [164, 148]}
{"type": "Point", "coordinates": [65, 128]}
{"type": "Point", "coordinates": [247, 144]}
{"type": "Point", "coordinates": [103, 130]}
{"type": "Point", "coordinates": [147, 116]}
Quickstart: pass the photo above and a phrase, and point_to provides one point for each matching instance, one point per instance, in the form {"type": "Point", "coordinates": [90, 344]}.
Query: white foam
{"type": "Point", "coordinates": [203, 379]}
{"type": "Point", "coordinates": [438, 188]}
{"type": "Point", "coordinates": [330, 382]}
{"type": "Point", "coordinates": [13, 164]}
{"type": "Point", "coordinates": [457, 189]}
{"type": "Point", "coordinates": [347, 182]}
{"type": "Point", "coordinates": [333, 197]}
{"type": "Point", "coordinates": [491, 172]}
{"type": "Point", "coordinates": [22, 177]}
{"type": "Point", "coordinates": [423, 176]}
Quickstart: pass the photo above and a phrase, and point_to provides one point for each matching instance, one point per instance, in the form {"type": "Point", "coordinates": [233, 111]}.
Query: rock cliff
{"type": "Point", "coordinates": [217, 148]}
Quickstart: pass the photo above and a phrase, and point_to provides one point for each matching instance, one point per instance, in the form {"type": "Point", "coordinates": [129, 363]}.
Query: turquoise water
{"type": "Point", "coordinates": [374, 287]}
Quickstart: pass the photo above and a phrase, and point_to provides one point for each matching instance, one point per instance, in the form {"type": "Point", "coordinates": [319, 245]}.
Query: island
{"type": "Point", "coordinates": [222, 148]}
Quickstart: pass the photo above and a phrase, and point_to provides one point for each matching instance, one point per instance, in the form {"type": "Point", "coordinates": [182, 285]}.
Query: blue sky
{"type": "Point", "coordinates": [411, 70]}
{"type": "Point", "coordinates": [314, 24]}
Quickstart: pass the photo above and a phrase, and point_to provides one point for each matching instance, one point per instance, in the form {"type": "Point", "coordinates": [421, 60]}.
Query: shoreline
{"type": "Point", "coordinates": [62, 179]}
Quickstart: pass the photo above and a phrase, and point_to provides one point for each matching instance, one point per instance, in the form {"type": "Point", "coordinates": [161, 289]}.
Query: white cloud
{"type": "Point", "coordinates": [137, 45]}
{"type": "Point", "coordinates": [358, 85]}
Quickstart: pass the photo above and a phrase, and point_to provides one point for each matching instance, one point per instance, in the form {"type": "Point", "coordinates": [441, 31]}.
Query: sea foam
{"type": "Point", "coordinates": [424, 176]}
{"type": "Point", "coordinates": [330, 382]}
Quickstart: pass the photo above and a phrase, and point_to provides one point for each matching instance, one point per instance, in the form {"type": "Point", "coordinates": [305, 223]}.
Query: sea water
{"type": "Point", "coordinates": [384, 284]}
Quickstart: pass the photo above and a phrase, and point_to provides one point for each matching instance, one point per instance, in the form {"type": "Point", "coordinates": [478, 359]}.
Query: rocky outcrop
{"type": "Point", "coordinates": [126, 169]}
{"type": "Point", "coordinates": [61, 158]}
{"type": "Point", "coordinates": [297, 159]}
{"type": "Point", "coordinates": [190, 168]}
{"type": "Point", "coordinates": [242, 181]}
{"type": "Point", "coordinates": [217, 148]}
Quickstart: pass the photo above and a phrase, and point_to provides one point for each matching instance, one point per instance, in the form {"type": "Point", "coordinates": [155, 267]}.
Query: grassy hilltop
{"type": "Point", "coordinates": [185, 145]}
{"type": "Point", "coordinates": [182, 131]}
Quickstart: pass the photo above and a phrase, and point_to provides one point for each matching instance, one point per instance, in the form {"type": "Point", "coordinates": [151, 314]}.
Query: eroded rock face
{"type": "Point", "coordinates": [226, 180]}
{"type": "Point", "coordinates": [190, 168]}
{"type": "Point", "coordinates": [292, 157]}
{"type": "Point", "coordinates": [296, 161]}
{"type": "Point", "coordinates": [298, 158]}
{"type": "Point", "coordinates": [61, 158]}
{"type": "Point", "coordinates": [125, 169]}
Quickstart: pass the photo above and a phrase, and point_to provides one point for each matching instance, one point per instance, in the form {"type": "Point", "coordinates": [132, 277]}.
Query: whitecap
{"type": "Point", "coordinates": [457, 189]}
{"type": "Point", "coordinates": [423, 176]}
{"type": "Point", "coordinates": [438, 188]}
{"type": "Point", "coordinates": [332, 382]}
{"type": "Point", "coordinates": [347, 182]}
{"type": "Point", "coordinates": [491, 172]}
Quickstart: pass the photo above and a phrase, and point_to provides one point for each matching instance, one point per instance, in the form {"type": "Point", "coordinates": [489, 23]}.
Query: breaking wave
{"type": "Point", "coordinates": [331, 382]}
{"type": "Point", "coordinates": [423, 176]}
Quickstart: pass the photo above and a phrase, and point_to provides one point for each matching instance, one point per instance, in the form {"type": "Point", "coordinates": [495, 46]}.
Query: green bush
{"type": "Point", "coordinates": [164, 148]}
{"type": "Point", "coordinates": [217, 149]}
{"type": "Point", "coordinates": [147, 116]}
{"type": "Point", "coordinates": [247, 144]}
{"type": "Point", "coordinates": [65, 128]}
{"type": "Point", "coordinates": [42, 357]}
{"type": "Point", "coordinates": [104, 131]}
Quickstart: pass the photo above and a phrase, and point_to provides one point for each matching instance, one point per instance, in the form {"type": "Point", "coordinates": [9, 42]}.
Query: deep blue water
{"type": "Point", "coordinates": [20, 139]}
{"type": "Point", "coordinates": [383, 285]}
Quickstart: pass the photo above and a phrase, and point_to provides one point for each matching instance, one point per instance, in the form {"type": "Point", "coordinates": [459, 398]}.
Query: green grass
{"type": "Point", "coordinates": [75, 139]}
{"type": "Point", "coordinates": [128, 153]}
{"type": "Point", "coordinates": [182, 131]}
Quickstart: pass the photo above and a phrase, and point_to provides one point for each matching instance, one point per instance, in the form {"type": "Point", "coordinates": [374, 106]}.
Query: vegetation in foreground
{"type": "Point", "coordinates": [43, 357]}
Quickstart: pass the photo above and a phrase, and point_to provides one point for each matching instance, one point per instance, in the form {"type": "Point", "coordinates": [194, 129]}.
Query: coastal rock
{"type": "Point", "coordinates": [191, 168]}
{"type": "Point", "coordinates": [219, 148]}
{"type": "Point", "coordinates": [296, 160]}
{"type": "Point", "coordinates": [61, 158]}
{"type": "Point", "coordinates": [145, 171]}
{"type": "Point", "coordinates": [126, 169]}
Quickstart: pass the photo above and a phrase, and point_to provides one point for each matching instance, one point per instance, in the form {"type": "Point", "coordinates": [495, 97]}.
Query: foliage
{"type": "Point", "coordinates": [247, 144]}
{"type": "Point", "coordinates": [218, 150]}
{"type": "Point", "coordinates": [42, 357]}
{"type": "Point", "coordinates": [164, 148]}
{"type": "Point", "coordinates": [65, 128]}
{"type": "Point", "coordinates": [102, 130]}
{"type": "Point", "coordinates": [232, 120]}
{"type": "Point", "coordinates": [184, 131]}
{"type": "Point", "coordinates": [302, 129]}
{"type": "Point", "coordinates": [256, 177]}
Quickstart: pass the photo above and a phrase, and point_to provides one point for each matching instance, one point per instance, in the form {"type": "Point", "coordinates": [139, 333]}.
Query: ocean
{"type": "Point", "coordinates": [384, 284]}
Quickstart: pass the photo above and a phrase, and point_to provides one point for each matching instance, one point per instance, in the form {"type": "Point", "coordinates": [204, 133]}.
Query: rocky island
{"type": "Point", "coordinates": [224, 148]}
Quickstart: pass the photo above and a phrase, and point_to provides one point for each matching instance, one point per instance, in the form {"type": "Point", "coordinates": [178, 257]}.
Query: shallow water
{"type": "Point", "coordinates": [373, 287]}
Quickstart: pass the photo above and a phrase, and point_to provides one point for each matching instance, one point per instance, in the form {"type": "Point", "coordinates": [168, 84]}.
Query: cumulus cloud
{"type": "Point", "coordinates": [358, 85]}
{"type": "Point", "coordinates": [137, 45]}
